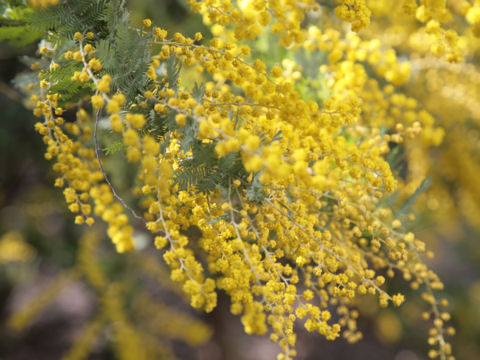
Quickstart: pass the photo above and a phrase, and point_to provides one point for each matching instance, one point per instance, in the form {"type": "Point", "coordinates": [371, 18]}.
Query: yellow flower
{"type": "Point", "coordinates": [147, 22]}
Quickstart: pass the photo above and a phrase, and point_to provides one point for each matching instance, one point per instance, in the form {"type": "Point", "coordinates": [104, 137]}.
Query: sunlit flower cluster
{"type": "Point", "coordinates": [289, 191]}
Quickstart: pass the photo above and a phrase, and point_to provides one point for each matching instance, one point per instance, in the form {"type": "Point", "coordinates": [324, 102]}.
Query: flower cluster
{"type": "Point", "coordinates": [287, 191]}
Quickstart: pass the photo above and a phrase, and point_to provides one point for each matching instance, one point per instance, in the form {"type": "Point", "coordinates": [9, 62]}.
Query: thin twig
{"type": "Point", "coordinates": [97, 154]}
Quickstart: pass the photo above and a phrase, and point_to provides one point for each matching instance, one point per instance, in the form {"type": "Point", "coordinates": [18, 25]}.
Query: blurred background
{"type": "Point", "coordinates": [58, 280]}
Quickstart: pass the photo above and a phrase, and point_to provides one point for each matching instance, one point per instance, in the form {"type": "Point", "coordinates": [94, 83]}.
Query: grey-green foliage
{"type": "Point", "coordinates": [255, 191]}
{"type": "Point", "coordinates": [206, 172]}
{"type": "Point", "coordinates": [69, 17]}
{"type": "Point", "coordinates": [125, 55]}
{"type": "Point", "coordinates": [123, 51]}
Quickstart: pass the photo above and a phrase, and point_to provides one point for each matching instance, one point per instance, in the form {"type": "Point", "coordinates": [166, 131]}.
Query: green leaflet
{"type": "Point", "coordinates": [114, 148]}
